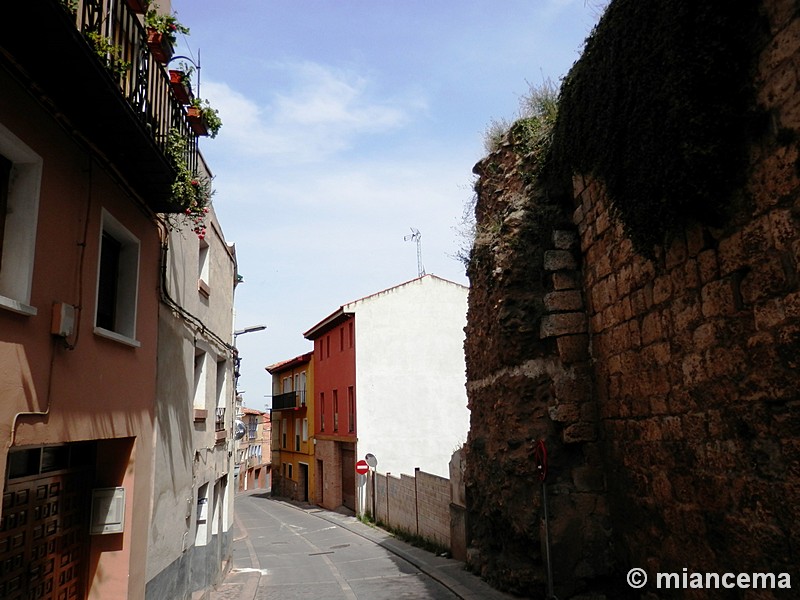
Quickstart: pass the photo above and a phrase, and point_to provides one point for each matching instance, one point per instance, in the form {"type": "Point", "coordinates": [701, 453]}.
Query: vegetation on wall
{"type": "Point", "coordinates": [659, 108]}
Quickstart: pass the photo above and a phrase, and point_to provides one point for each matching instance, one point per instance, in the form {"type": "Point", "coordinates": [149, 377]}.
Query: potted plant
{"type": "Point", "coordinates": [203, 119]}
{"type": "Point", "coordinates": [180, 82]}
{"type": "Point", "coordinates": [162, 30]}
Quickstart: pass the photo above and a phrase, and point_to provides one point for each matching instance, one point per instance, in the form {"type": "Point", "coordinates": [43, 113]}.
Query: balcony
{"type": "Point", "coordinates": [125, 116]}
{"type": "Point", "coordinates": [289, 400]}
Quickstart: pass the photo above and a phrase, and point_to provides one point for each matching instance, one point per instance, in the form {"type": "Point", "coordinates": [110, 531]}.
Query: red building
{"type": "Point", "coordinates": [335, 409]}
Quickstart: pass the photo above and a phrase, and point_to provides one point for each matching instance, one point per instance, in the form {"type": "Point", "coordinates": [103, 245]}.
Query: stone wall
{"type": "Point", "coordinates": [665, 389]}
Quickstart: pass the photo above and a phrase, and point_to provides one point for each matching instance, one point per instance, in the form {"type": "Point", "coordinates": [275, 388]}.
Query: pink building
{"type": "Point", "coordinates": [84, 173]}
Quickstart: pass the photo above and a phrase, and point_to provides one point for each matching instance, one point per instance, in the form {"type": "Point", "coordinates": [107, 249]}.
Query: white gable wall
{"type": "Point", "coordinates": [410, 375]}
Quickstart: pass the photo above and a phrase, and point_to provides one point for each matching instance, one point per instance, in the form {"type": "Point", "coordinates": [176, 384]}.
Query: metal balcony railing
{"type": "Point", "coordinates": [289, 400]}
{"type": "Point", "coordinates": [145, 84]}
{"type": "Point", "coordinates": [219, 419]}
{"type": "Point", "coordinates": [74, 63]}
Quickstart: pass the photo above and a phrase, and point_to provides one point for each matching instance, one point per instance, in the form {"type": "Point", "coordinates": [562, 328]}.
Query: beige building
{"type": "Point", "coordinates": [254, 460]}
{"type": "Point", "coordinates": [194, 416]}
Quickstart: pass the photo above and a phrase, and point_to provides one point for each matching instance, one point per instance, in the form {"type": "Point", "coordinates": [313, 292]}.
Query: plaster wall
{"type": "Point", "coordinates": [410, 375]}
{"type": "Point", "coordinates": [101, 388]}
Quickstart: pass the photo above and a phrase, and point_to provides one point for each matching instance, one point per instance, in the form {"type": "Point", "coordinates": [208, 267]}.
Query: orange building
{"type": "Point", "coordinates": [293, 428]}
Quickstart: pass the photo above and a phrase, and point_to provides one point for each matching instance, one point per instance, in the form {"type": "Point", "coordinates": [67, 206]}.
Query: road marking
{"type": "Point", "coordinates": [343, 585]}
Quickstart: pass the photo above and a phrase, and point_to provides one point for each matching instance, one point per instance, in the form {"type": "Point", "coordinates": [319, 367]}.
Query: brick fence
{"type": "Point", "coordinates": [418, 505]}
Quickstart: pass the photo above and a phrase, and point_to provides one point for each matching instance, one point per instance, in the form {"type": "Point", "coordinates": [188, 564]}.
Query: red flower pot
{"type": "Point", "coordinates": [182, 91]}
{"type": "Point", "coordinates": [196, 121]}
{"type": "Point", "coordinates": [160, 46]}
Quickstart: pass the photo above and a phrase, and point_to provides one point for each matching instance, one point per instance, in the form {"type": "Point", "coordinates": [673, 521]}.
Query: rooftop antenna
{"type": "Point", "coordinates": [416, 236]}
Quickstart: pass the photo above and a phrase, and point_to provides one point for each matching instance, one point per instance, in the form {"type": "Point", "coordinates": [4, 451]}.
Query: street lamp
{"type": "Point", "coordinates": [237, 359]}
{"type": "Point", "coordinates": [250, 329]}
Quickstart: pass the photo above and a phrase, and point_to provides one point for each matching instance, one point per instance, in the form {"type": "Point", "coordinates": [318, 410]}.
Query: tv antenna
{"type": "Point", "coordinates": [416, 236]}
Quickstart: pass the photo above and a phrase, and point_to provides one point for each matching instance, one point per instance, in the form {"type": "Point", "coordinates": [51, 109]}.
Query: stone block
{"type": "Point", "coordinates": [573, 348]}
{"type": "Point", "coordinates": [579, 432]}
{"type": "Point", "coordinates": [559, 260]}
{"type": "Point", "coordinates": [564, 240]}
{"type": "Point", "coordinates": [717, 299]}
{"type": "Point", "coordinates": [563, 324]}
{"type": "Point", "coordinates": [563, 301]}
{"type": "Point", "coordinates": [566, 280]}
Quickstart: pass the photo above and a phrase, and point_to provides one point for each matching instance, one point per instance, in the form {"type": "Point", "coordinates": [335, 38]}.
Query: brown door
{"type": "Point", "coordinates": [349, 476]}
{"type": "Point", "coordinates": [44, 536]}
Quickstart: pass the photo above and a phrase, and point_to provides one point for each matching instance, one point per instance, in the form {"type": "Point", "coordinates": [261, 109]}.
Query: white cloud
{"type": "Point", "coordinates": [320, 112]}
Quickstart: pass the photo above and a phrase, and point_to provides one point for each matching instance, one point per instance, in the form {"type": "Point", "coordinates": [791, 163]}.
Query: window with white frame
{"type": "Point", "coordinates": [117, 281]}
{"type": "Point", "coordinates": [20, 182]}
{"type": "Point", "coordinates": [200, 379]}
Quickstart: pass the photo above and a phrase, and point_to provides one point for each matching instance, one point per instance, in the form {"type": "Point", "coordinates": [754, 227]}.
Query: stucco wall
{"type": "Point", "coordinates": [410, 381]}
{"type": "Point", "coordinates": [101, 389]}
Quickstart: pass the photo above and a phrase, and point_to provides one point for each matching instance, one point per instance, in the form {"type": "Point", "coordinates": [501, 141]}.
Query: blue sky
{"type": "Point", "coordinates": [345, 124]}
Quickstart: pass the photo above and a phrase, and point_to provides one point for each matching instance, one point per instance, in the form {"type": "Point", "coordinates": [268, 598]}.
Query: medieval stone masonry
{"type": "Point", "coordinates": [665, 387]}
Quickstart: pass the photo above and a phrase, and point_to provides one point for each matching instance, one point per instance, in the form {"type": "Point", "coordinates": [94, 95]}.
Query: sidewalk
{"type": "Point", "coordinates": [242, 584]}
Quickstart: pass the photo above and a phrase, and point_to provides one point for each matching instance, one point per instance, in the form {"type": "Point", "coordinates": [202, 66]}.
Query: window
{"type": "Point", "coordinates": [327, 346]}
{"type": "Point", "coordinates": [284, 432]}
{"type": "Point", "coordinates": [336, 410]}
{"type": "Point", "coordinates": [322, 411]}
{"type": "Point", "coordinates": [20, 180]}
{"type": "Point", "coordinates": [341, 339]}
{"type": "Point", "coordinates": [199, 379]}
{"type": "Point", "coordinates": [290, 471]}
{"type": "Point", "coordinates": [222, 372]}
{"type": "Point", "coordinates": [305, 430]}
{"type": "Point", "coordinates": [301, 390]}
{"type": "Point", "coordinates": [297, 435]}
{"type": "Point", "coordinates": [351, 409]}
{"type": "Point", "coordinates": [202, 269]}
{"type": "Point", "coordinates": [117, 281]}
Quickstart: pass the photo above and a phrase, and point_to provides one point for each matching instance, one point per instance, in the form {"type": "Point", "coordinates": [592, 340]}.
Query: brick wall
{"type": "Point", "coordinates": [418, 505]}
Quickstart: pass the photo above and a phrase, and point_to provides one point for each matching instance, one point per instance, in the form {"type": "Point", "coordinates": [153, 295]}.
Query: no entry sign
{"type": "Point", "coordinates": [362, 467]}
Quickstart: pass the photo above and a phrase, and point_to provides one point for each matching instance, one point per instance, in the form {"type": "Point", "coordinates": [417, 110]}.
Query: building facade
{"type": "Point", "coordinates": [193, 415]}
{"type": "Point", "coordinates": [255, 468]}
{"type": "Point", "coordinates": [293, 439]}
{"type": "Point", "coordinates": [86, 190]}
{"type": "Point", "coordinates": [389, 381]}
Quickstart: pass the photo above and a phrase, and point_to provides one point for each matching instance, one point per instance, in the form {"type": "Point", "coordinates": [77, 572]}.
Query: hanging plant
{"type": "Point", "coordinates": [191, 191]}
{"type": "Point", "coordinates": [110, 54]}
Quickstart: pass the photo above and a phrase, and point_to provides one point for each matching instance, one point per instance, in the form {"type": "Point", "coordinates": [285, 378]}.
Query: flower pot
{"type": "Point", "coordinates": [182, 91]}
{"type": "Point", "coordinates": [137, 6]}
{"type": "Point", "coordinates": [196, 121]}
{"type": "Point", "coordinates": [160, 46]}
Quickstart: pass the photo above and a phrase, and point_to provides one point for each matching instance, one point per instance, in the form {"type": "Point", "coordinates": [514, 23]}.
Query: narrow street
{"type": "Point", "coordinates": [285, 551]}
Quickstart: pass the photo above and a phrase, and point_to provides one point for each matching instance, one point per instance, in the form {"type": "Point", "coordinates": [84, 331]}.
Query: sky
{"type": "Point", "coordinates": [346, 123]}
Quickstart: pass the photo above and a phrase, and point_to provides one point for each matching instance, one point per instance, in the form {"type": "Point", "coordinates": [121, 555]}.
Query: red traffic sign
{"type": "Point", "coordinates": [362, 467]}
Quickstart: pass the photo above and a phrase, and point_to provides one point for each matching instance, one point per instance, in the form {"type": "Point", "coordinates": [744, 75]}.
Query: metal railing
{"type": "Point", "coordinates": [289, 400]}
{"type": "Point", "coordinates": [145, 84]}
{"type": "Point", "coordinates": [219, 419]}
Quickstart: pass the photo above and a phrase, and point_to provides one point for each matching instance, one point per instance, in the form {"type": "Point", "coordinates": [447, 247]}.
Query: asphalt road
{"type": "Point", "coordinates": [288, 552]}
